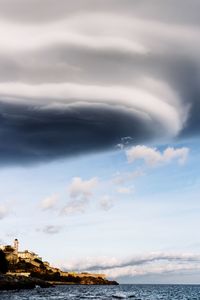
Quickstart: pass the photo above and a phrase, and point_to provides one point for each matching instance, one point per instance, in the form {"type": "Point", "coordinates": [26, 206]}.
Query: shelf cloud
{"type": "Point", "coordinates": [72, 84]}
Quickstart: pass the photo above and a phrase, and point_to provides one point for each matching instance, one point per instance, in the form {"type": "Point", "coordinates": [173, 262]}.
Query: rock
{"type": "Point", "coordinates": [8, 282]}
{"type": "Point", "coordinates": [96, 281]}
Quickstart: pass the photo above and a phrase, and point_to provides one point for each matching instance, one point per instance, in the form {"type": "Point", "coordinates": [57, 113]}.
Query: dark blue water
{"type": "Point", "coordinates": [143, 292]}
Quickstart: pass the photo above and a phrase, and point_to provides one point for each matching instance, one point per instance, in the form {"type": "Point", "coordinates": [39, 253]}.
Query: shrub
{"type": "Point", "coordinates": [3, 263]}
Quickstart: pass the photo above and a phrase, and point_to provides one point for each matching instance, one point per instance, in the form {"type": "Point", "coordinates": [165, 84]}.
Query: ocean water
{"type": "Point", "coordinates": [142, 292]}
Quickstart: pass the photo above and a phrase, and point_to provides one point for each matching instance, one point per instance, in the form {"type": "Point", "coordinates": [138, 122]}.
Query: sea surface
{"type": "Point", "coordinates": [143, 292]}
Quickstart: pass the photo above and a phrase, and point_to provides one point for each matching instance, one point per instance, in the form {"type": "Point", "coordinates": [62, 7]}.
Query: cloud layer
{"type": "Point", "coordinates": [155, 263]}
{"type": "Point", "coordinates": [70, 83]}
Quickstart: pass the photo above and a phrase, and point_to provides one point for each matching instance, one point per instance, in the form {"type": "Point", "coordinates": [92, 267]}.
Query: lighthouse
{"type": "Point", "coordinates": [16, 246]}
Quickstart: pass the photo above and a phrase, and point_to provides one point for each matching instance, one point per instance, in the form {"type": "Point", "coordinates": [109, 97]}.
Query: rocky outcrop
{"type": "Point", "coordinates": [84, 280]}
{"type": "Point", "coordinates": [96, 280]}
{"type": "Point", "coordinates": [8, 282]}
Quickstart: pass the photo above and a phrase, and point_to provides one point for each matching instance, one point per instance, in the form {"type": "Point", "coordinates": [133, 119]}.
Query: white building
{"type": "Point", "coordinates": [14, 255]}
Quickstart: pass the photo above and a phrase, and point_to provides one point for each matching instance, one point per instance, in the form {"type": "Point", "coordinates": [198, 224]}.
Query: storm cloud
{"type": "Point", "coordinates": [79, 77]}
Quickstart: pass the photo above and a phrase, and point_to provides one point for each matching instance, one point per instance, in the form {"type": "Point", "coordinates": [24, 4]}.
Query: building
{"type": "Point", "coordinates": [16, 246]}
{"type": "Point", "coordinates": [28, 256]}
{"type": "Point", "coordinates": [13, 255]}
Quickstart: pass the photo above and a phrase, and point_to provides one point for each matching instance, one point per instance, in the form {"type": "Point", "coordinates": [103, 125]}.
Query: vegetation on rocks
{"type": "Point", "coordinates": [8, 282]}
{"type": "Point", "coordinates": [3, 263]}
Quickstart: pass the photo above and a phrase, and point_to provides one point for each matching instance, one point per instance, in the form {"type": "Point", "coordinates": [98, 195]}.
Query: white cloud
{"type": "Point", "coordinates": [106, 202]}
{"type": "Point", "coordinates": [82, 189]}
{"type": "Point", "coordinates": [73, 207]}
{"type": "Point", "coordinates": [121, 178]}
{"type": "Point", "coordinates": [49, 202]}
{"type": "Point", "coordinates": [3, 211]}
{"type": "Point", "coordinates": [124, 190]}
{"type": "Point", "coordinates": [125, 141]}
{"type": "Point", "coordinates": [153, 157]}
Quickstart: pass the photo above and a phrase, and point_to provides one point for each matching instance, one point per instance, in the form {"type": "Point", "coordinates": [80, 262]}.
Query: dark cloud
{"type": "Point", "coordinates": [31, 134]}
{"type": "Point", "coordinates": [187, 80]}
{"type": "Point", "coordinates": [35, 11]}
{"type": "Point", "coordinates": [102, 65]}
{"type": "Point", "coordinates": [52, 229]}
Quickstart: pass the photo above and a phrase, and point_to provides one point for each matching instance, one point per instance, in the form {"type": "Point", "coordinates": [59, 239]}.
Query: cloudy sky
{"type": "Point", "coordinates": [99, 128]}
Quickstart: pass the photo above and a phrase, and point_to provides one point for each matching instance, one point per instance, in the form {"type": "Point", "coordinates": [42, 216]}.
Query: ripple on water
{"type": "Point", "coordinates": [137, 292]}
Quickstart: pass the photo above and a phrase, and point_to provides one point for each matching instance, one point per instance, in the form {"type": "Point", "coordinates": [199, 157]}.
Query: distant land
{"type": "Point", "coordinates": [26, 269]}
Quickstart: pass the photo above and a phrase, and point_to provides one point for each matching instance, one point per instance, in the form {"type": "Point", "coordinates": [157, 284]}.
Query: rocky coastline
{"type": "Point", "coordinates": [8, 282]}
{"type": "Point", "coordinates": [15, 282]}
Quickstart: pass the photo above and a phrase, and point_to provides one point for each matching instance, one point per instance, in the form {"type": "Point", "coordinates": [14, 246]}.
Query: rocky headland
{"type": "Point", "coordinates": [26, 270]}
{"type": "Point", "coordinates": [16, 282]}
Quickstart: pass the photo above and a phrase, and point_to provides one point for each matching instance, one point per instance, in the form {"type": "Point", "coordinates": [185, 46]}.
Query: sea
{"type": "Point", "coordinates": [142, 292]}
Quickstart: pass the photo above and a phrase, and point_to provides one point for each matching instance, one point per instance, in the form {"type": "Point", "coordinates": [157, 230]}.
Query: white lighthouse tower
{"type": "Point", "coordinates": [16, 246]}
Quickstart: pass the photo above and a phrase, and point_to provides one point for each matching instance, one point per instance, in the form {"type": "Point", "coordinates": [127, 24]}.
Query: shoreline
{"type": "Point", "coordinates": [13, 282]}
{"type": "Point", "coordinates": [8, 282]}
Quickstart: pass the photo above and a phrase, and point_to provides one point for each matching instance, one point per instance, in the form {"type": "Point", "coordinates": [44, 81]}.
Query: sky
{"type": "Point", "coordinates": [99, 130]}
